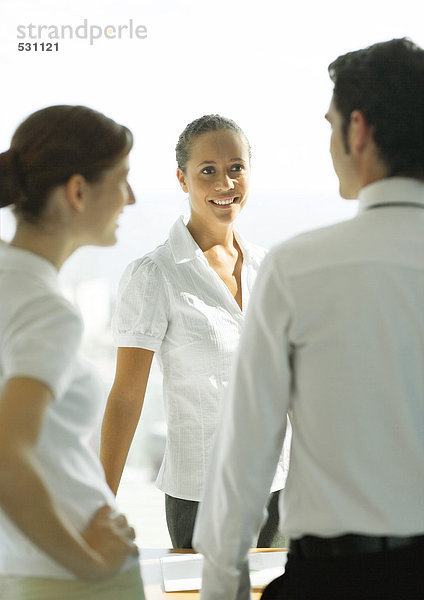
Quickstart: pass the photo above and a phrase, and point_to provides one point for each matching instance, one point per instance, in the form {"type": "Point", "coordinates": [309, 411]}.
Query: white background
{"type": "Point", "coordinates": [262, 63]}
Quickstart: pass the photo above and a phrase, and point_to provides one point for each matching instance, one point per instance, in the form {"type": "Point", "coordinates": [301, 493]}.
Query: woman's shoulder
{"type": "Point", "coordinates": [254, 253]}
{"type": "Point", "coordinates": [24, 291]}
{"type": "Point", "coordinates": [259, 251]}
{"type": "Point", "coordinates": [33, 311]}
{"type": "Point", "coordinates": [28, 287]}
{"type": "Point", "coordinates": [148, 270]}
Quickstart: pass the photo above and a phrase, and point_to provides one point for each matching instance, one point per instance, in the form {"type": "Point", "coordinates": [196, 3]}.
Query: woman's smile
{"type": "Point", "coordinates": [224, 202]}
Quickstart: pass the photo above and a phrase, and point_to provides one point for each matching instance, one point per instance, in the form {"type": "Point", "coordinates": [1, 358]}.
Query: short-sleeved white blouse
{"type": "Point", "coordinates": [40, 335]}
{"type": "Point", "coordinates": [172, 302]}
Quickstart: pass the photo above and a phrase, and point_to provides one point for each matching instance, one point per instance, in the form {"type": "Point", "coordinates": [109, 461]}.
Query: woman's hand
{"type": "Point", "coordinates": [110, 536]}
{"type": "Point", "coordinates": [107, 541]}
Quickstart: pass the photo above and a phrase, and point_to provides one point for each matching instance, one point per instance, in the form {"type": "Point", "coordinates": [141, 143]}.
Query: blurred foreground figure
{"type": "Point", "coordinates": [65, 174]}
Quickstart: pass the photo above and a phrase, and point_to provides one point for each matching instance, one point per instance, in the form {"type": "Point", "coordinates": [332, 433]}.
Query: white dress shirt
{"type": "Point", "coordinates": [334, 335]}
{"type": "Point", "coordinates": [40, 335]}
{"type": "Point", "coordinates": [172, 302]}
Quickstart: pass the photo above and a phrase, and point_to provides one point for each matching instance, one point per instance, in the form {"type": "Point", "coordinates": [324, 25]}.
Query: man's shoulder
{"type": "Point", "coordinates": [329, 234]}
{"type": "Point", "coordinates": [318, 247]}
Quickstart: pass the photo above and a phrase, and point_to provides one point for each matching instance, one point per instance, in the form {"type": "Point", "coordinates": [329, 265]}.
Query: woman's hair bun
{"type": "Point", "coordinates": [10, 189]}
{"type": "Point", "coordinates": [50, 146]}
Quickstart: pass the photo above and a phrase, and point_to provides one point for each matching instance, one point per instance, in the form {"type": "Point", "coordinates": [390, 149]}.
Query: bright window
{"type": "Point", "coordinates": [262, 64]}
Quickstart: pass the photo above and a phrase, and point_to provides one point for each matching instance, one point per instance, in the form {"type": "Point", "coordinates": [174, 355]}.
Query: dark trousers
{"type": "Point", "coordinates": [392, 575]}
{"type": "Point", "coordinates": [181, 515]}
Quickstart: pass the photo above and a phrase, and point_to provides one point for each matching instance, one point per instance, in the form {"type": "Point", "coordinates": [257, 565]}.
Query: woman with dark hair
{"type": "Point", "coordinates": [65, 175]}
{"type": "Point", "coordinates": [186, 301]}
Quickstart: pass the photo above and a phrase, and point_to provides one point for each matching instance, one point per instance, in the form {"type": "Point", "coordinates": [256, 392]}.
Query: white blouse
{"type": "Point", "coordinates": [172, 302]}
{"type": "Point", "coordinates": [40, 335]}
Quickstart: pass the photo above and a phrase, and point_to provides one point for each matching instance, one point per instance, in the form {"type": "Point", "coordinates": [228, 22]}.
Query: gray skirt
{"type": "Point", "coordinates": [181, 515]}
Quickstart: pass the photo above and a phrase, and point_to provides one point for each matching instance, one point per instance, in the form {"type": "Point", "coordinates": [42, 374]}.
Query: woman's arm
{"type": "Point", "coordinates": [102, 548]}
{"type": "Point", "coordinates": [123, 410]}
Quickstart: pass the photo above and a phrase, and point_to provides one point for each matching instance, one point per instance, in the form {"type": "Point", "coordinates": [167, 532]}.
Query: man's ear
{"type": "Point", "coordinates": [359, 131]}
{"type": "Point", "coordinates": [182, 179]}
{"type": "Point", "coordinates": [75, 192]}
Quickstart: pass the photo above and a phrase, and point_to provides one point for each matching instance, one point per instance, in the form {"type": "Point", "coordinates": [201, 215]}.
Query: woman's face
{"type": "Point", "coordinates": [217, 176]}
{"type": "Point", "coordinates": [108, 197]}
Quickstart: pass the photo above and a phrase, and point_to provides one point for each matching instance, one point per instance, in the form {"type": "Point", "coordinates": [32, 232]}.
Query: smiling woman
{"type": "Point", "coordinates": [186, 301]}
{"type": "Point", "coordinates": [217, 185]}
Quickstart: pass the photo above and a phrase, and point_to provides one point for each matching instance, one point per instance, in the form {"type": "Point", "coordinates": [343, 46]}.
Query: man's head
{"type": "Point", "coordinates": [384, 85]}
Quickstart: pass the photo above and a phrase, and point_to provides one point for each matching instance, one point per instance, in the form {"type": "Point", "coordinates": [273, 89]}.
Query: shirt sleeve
{"type": "Point", "coordinates": [141, 316]}
{"type": "Point", "coordinates": [41, 341]}
{"type": "Point", "coordinates": [248, 442]}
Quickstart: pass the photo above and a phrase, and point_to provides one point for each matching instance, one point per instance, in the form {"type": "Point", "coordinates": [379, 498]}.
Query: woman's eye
{"type": "Point", "coordinates": [237, 168]}
{"type": "Point", "coordinates": [208, 170]}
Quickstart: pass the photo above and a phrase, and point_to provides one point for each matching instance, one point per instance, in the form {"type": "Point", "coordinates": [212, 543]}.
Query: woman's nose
{"type": "Point", "coordinates": [224, 182]}
{"type": "Point", "coordinates": [131, 197]}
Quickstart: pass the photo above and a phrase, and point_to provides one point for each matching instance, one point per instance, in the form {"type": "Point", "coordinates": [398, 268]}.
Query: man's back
{"type": "Point", "coordinates": [356, 330]}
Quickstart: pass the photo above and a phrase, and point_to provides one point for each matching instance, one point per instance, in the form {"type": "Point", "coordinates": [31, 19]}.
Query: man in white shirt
{"type": "Point", "coordinates": [334, 336]}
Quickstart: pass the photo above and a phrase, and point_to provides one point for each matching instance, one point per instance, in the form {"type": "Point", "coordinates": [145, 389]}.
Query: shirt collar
{"type": "Point", "coordinates": [18, 259]}
{"type": "Point", "coordinates": [184, 248]}
{"type": "Point", "coordinates": [391, 190]}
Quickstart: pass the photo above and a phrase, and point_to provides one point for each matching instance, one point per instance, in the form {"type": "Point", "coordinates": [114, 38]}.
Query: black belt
{"type": "Point", "coordinates": [311, 546]}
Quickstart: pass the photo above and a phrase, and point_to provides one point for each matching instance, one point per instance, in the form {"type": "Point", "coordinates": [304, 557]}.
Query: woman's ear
{"type": "Point", "coordinates": [182, 179]}
{"type": "Point", "coordinates": [75, 192]}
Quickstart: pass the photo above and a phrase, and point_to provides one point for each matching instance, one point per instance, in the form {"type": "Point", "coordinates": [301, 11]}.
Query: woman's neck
{"type": "Point", "coordinates": [53, 245]}
{"type": "Point", "coordinates": [208, 236]}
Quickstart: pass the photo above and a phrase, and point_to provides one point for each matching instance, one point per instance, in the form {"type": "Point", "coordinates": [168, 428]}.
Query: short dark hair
{"type": "Point", "coordinates": [386, 83]}
{"type": "Point", "coordinates": [198, 127]}
{"type": "Point", "coordinates": [50, 146]}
